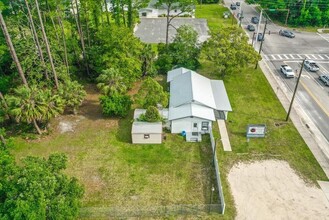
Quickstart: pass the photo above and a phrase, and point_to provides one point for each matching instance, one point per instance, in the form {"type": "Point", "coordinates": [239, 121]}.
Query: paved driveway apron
{"type": "Point", "coordinates": [153, 30]}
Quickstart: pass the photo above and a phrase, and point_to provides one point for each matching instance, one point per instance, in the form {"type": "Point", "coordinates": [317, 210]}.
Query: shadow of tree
{"type": "Point", "coordinates": [124, 130]}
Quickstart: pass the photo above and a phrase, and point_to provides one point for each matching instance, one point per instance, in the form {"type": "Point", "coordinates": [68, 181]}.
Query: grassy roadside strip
{"type": "Point", "coordinates": [253, 101]}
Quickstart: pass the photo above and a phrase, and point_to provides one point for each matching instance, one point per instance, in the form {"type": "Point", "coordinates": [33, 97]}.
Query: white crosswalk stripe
{"type": "Point", "coordinates": [319, 57]}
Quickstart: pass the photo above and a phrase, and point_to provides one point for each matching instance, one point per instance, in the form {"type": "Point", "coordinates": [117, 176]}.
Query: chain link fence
{"type": "Point", "coordinates": [152, 211]}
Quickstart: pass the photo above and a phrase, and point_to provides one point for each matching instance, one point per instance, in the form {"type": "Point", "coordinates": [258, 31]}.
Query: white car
{"type": "Point", "coordinates": [287, 71]}
{"type": "Point", "coordinates": [324, 79]}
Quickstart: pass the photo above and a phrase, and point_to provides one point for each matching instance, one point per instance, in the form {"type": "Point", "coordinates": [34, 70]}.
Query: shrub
{"type": "Point", "coordinates": [151, 115]}
{"type": "Point", "coordinates": [116, 105]}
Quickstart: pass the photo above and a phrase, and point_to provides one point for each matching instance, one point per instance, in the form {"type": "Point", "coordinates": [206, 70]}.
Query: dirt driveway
{"type": "Point", "coordinates": [272, 190]}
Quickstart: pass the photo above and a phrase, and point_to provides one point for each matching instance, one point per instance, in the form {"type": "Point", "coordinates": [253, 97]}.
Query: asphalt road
{"type": "Point", "coordinates": [312, 95]}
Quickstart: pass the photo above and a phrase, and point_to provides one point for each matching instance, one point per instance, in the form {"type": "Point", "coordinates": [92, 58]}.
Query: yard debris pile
{"type": "Point", "coordinates": [68, 124]}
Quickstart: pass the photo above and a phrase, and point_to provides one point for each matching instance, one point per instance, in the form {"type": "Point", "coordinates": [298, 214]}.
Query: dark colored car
{"type": "Point", "coordinates": [286, 33]}
{"type": "Point", "coordinates": [237, 3]}
{"type": "Point", "coordinates": [233, 7]}
{"type": "Point", "coordinates": [254, 20]}
{"type": "Point", "coordinates": [251, 27]}
{"type": "Point", "coordinates": [260, 37]}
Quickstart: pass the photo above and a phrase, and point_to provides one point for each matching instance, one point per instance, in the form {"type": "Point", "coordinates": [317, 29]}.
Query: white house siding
{"type": "Point", "coordinates": [186, 124]}
{"type": "Point", "coordinates": [153, 139]}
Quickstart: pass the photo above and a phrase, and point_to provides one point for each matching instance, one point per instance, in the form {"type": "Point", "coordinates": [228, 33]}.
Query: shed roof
{"type": "Point", "coordinates": [191, 110]}
{"type": "Point", "coordinates": [139, 127]}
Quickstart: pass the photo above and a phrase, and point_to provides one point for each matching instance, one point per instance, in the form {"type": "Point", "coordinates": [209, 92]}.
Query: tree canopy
{"type": "Point", "coordinates": [301, 13]}
{"type": "Point", "coordinates": [229, 51]}
{"type": "Point", "coordinates": [37, 189]}
{"type": "Point", "coordinates": [151, 93]}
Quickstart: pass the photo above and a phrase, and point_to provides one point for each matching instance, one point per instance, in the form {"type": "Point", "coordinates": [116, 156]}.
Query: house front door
{"type": "Point", "coordinates": [195, 129]}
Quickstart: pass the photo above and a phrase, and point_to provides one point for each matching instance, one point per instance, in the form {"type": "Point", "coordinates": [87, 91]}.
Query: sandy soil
{"type": "Point", "coordinates": [272, 190]}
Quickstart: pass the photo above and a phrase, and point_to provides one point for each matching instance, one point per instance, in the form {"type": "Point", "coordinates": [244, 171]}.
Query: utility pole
{"type": "Point", "coordinates": [262, 40]}
{"type": "Point", "coordinates": [293, 96]}
{"type": "Point", "coordinates": [253, 37]}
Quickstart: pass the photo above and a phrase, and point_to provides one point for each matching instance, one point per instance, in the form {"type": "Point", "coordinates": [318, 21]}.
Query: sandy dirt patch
{"type": "Point", "coordinates": [272, 190]}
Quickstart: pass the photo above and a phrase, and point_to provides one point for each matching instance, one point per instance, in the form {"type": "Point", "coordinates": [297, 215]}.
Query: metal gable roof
{"type": "Point", "coordinates": [176, 72]}
{"type": "Point", "coordinates": [191, 110]}
{"type": "Point", "coordinates": [191, 87]}
{"type": "Point", "coordinates": [220, 95]}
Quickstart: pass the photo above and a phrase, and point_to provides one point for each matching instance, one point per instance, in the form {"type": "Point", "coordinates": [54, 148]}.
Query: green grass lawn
{"type": "Point", "coordinates": [254, 102]}
{"type": "Point", "coordinates": [118, 174]}
{"type": "Point", "coordinates": [214, 15]}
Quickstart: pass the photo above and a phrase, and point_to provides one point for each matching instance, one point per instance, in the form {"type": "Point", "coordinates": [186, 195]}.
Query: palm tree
{"type": "Point", "coordinates": [73, 94]}
{"type": "Point", "coordinates": [111, 82]}
{"type": "Point", "coordinates": [147, 58]}
{"type": "Point", "coordinates": [25, 106]}
{"type": "Point", "coordinates": [33, 104]}
{"type": "Point", "coordinates": [12, 49]}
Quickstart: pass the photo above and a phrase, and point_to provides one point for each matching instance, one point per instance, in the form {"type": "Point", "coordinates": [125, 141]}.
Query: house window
{"type": "Point", "coordinates": [195, 125]}
{"type": "Point", "coordinates": [205, 126]}
{"type": "Point", "coordinates": [144, 14]}
{"type": "Point", "coordinates": [146, 136]}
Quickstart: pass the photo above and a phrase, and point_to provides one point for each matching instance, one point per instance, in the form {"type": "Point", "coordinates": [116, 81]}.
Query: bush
{"type": "Point", "coordinates": [151, 115]}
{"type": "Point", "coordinates": [116, 105]}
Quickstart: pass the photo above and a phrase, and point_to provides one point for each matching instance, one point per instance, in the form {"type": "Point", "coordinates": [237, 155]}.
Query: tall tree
{"type": "Point", "coordinates": [11, 48]}
{"type": "Point", "coordinates": [36, 39]}
{"type": "Point", "coordinates": [47, 45]}
{"type": "Point", "coordinates": [175, 8]}
{"type": "Point", "coordinates": [75, 9]}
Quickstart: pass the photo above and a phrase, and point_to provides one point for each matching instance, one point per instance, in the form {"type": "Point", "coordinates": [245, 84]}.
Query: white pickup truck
{"type": "Point", "coordinates": [311, 65]}
{"type": "Point", "coordinates": [287, 71]}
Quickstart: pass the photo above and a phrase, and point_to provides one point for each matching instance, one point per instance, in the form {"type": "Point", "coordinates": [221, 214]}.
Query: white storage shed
{"type": "Point", "coordinates": [146, 132]}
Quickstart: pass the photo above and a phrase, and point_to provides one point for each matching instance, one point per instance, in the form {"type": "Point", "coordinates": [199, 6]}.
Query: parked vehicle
{"type": "Point", "coordinates": [324, 79]}
{"type": "Point", "coordinates": [233, 7]}
{"type": "Point", "coordinates": [237, 3]}
{"type": "Point", "coordinates": [255, 20]}
{"type": "Point", "coordinates": [251, 27]}
{"type": "Point", "coordinates": [287, 71]}
{"type": "Point", "coordinates": [286, 33]}
{"type": "Point", "coordinates": [310, 65]}
{"type": "Point", "coordinates": [260, 37]}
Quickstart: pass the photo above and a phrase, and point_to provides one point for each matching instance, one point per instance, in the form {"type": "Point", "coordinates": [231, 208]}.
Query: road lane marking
{"type": "Point", "coordinates": [302, 57]}
{"type": "Point", "coordinates": [326, 56]}
{"type": "Point", "coordinates": [292, 56]}
{"type": "Point", "coordinates": [321, 57]}
{"type": "Point", "coordinates": [307, 90]}
{"type": "Point", "coordinates": [279, 56]}
{"type": "Point", "coordinates": [315, 99]}
{"type": "Point", "coordinates": [313, 56]}
{"type": "Point", "coordinates": [285, 56]}
{"type": "Point", "coordinates": [307, 56]}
